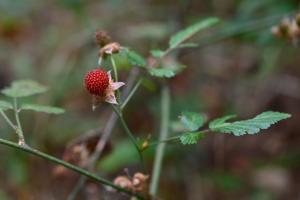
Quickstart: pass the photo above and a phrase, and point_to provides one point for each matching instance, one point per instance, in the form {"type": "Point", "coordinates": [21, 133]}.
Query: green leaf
{"type": "Point", "coordinates": [220, 121]}
{"type": "Point", "coordinates": [5, 105]}
{"type": "Point", "coordinates": [42, 108]}
{"type": "Point", "coordinates": [187, 45]}
{"type": "Point", "coordinates": [191, 138]}
{"type": "Point", "coordinates": [157, 53]}
{"type": "Point", "coordinates": [135, 59]}
{"type": "Point", "coordinates": [191, 30]}
{"type": "Point", "coordinates": [162, 72]}
{"type": "Point", "coordinates": [191, 120]}
{"type": "Point", "coordinates": [23, 88]}
{"type": "Point", "coordinates": [250, 126]}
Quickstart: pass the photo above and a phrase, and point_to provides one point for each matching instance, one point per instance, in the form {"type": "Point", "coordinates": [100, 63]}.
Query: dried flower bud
{"type": "Point", "coordinates": [102, 38]}
{"type": "Point", "coordinates": [140, 182]}
{"type": "Point", "coordinates": [284, 27]}
{"type": "Point", "coordinates": [109, 49]}
{"type": "Point", "coordinates": [123, 182]}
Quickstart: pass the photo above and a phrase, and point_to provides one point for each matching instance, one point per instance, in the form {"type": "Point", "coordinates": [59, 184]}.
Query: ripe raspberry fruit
{"type": "Point", "coordinates": [96, 81]}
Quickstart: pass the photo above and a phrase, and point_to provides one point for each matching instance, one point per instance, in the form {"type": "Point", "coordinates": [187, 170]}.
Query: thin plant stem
{"type": "Point", "coordinates": [8, 120]}
{"type": "Point", "coordinates": [170, 139]}
{"type": "Point", "coordinates": [134, 89]}
{"type": "Point", "coordinates": [19, 127]}
{"type": "Point", "coordinates": [67, 165]}
{"type": "Point", "coordinates": [130, 135]}
{"type": "Point", "coordinates": [80, 183]}
{"type": "Point", "coordinates": [165, 115]}
{"type": "Point", "coordinates": [115, 69]}
{"type": "Point", "coordinates": [113, 63]}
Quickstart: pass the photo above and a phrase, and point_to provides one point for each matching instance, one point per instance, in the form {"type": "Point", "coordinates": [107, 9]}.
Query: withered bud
{"type": "Point", "coordinates": [140, 182]}
{"type": "Point", "coordinates": [102, 38]}
{"type": "Point", "coordinates": [284, 27]}
{"type": "Point", "coordinates": [123, 182]}
{"type": "Point", "coordinates": [109, 49]}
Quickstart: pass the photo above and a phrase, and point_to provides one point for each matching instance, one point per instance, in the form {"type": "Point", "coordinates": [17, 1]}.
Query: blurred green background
{"type": "Point", "coordinates": [239, 67]}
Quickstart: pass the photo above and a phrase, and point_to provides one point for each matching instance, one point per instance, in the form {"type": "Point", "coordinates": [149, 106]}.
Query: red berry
{"type": "Point", "coordinates": [96, 81]}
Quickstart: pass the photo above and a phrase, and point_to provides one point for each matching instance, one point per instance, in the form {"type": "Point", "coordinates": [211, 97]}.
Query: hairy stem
{"type": "Point", "coordinates": [67, 165]}
{"type": "Point", "coordinates": [19, 127]}
{"type": "Point", "coordinates": [165, 115]}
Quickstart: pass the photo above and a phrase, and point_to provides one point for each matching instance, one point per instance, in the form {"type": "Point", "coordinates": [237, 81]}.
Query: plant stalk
{"type": "Point", "coordinates": [165, 115]}
{"type": "Point", "coordinates": [130, 135]}
{"type": "Point", "coordinates": [19, 129]}
{"type": "Point", "coordinates": [67, 165]}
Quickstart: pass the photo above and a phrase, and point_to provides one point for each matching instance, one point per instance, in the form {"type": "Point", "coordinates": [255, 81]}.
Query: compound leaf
{"type": "Point", "coordinates": [185, 34]}
{"type": "Point", "coordinates": [23, 88]}
{"type": "Point", "coordinates": [192, 120]}
{"type": "Point", "coordinates": [42, 108]}
{"type": "Point", "coordinates": [250, 126]}
{"type": "Point", "coordinates": [191, 138]}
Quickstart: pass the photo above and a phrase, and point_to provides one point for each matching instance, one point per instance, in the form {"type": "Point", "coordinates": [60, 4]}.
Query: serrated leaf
{"type": "Point", "coordinates": [191, 30]}
{"type": "Point", "coordinates": [250, 126]}
{"type": "Point", "coordinates": [220, 121]}
{"type": "Point", "coordinates": [5, 105]}
{"type": "Point", "coordinates": [42, 108]}
{"type": "Point", "coordinates": [191, 138]}
{"type": "Point", "coordinates": [162, 72]}
{"type": "Point", "coordinates": [187, 45]}
{"type": "Point", "coordinates": [191, 120]}
{"type": "Point", "coordinates": [135, 59]}
{"type": "Point", "coordinates": [157, 53]}
{"type": "Point", "coordinates": [23, 88]}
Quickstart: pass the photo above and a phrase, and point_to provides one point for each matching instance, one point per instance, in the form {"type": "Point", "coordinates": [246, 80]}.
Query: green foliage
{"type": "Point", "coordinates": [157, 53]}
{"type": "Point", "coordinates": [42, 108]}
{"type": "Point", "coordinates": [250, 126]}
{"type": "Point", "coordinates": [191, 138]}
{"type": "Point", "coordinates": [162, 72]}
{"type": "Point", "coordinates": [187, 45]}
{"type": "Point", "coordinates": [134, 58]}
{"type": "Point", "coordinates": [23, 88]}
{"type": "Point", "coordinates": [192, 121]}
{"type": "Point", "coordinates": [191, 30]}
{"type": "Point", "coordinates": [5, 105]}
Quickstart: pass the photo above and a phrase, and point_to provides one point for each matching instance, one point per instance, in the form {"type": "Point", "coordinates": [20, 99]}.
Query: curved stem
{"type": "Point", "coordinates": [130, 135]}
{"type": "Point", "coordinates": [165, 115]}
{"type": "Point", "coordinates": [19, 127]}
{"type": "Point", "coordinates": [67, 165]}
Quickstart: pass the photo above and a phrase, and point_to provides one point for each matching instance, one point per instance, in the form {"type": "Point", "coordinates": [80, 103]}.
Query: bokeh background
{"type": "Point", "coordinates": [239, 67]}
